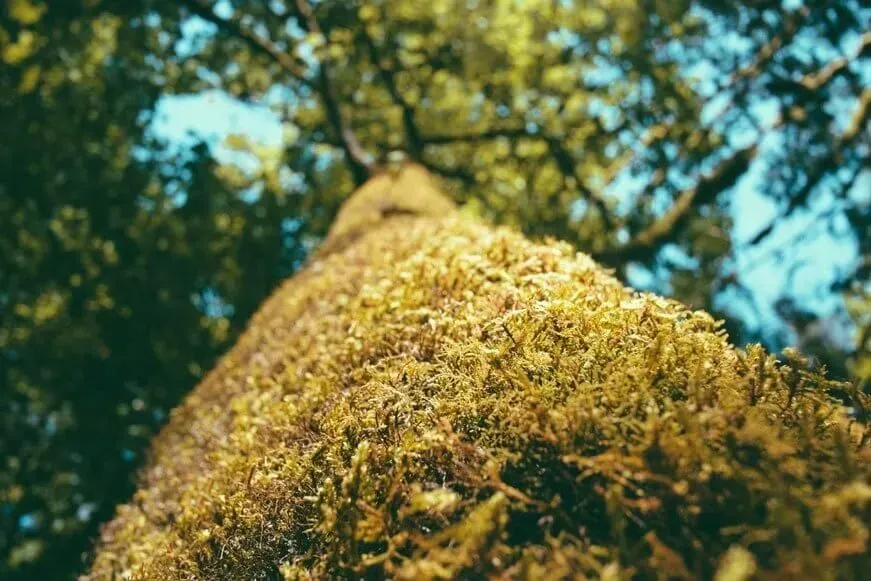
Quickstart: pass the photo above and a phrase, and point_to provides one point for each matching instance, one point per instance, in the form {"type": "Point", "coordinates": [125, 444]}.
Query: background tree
{"type": "Point", "coordinates": [110, 284]}
{"type": "Point", "coordinates": [625, 127]}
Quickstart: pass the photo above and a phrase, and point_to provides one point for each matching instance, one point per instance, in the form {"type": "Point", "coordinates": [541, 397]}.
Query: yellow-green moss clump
{"type": "Point", "coordinates": [434, 398]}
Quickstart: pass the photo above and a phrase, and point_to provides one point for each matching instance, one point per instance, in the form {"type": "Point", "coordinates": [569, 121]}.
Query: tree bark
{"type": "Point", "coordinates": [431, 397]}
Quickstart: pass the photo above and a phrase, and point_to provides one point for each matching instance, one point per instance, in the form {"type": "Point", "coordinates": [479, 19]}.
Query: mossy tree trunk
{"type": "Point", "coordinates": [434, 398]}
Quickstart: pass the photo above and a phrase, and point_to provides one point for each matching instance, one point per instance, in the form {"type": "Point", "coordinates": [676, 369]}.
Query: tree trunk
{"type": "Point", "coordinates": [432, 397]}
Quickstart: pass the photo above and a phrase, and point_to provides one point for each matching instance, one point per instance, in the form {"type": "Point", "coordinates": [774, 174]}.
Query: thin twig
{"type": "Point", "coordinates": [566, 164]}
{"type": "Point", "coordinates": [490, 134]}
{"type": "Point", "coordinates": [260, 44]}
{"type": "Point", "coordinates": [563, 158]}
{"type": "Point", "coordinates": [644, 244]}
{"type": "Point", "coordinates": [359, 161]}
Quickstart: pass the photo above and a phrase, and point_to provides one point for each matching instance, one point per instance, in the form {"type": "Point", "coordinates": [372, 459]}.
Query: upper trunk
{"type": "Point", "coordinates": [432, 397]}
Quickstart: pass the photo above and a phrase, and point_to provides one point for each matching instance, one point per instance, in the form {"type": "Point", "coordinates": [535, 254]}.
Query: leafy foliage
{"type": "Point", "coordinates": [98, 268]}
{"type": "Point", "coordinates": [438, 399]}
{"type": "Point", "coordinates": [619, 126]}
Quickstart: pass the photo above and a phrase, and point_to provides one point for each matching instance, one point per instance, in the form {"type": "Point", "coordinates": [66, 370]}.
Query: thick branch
{"type": "Point", "coordinates": [360, 162]}
{"type": "Point", "coordinates": [646, 243]}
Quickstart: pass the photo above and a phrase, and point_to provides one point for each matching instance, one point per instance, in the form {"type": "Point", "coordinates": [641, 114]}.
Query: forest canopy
{"type": "Point", "coordinates": [686, 145]}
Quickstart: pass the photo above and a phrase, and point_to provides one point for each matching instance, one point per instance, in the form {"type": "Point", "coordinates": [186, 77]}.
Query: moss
{"type": "Point", "coordinates": [435, 398]}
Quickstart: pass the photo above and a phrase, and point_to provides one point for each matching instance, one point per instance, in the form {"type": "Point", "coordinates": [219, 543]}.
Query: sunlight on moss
{"type": "Point", "coordinates": [433, 398]}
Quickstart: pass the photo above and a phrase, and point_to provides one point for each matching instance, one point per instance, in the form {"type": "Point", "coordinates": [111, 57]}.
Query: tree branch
{"type": "Point", "coordinates": [413, 138]}
{"type": "Point", "coordinates": [264, 46]}
{"type": "Point", "coordinates": [838, 66]}
{"type": "Point", "coordinates": [360, 162]}
{"type": "Point", "coordinates": [564, 160]}
{"type": "Point", "coordinates": [857, 125]}
{"type": "Point", "coordinates": [566, 164]}
{"type": "Point", "coordinates": [646, 243]}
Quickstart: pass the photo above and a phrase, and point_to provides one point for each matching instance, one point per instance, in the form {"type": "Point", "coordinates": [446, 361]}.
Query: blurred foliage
{"type": "Point", "coordinates": [113, 295]}
{"type": "Point", "coordinates": [620, 126]}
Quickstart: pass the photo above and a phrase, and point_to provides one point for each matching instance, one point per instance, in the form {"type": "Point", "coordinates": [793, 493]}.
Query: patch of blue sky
{"type": "Point", "coordinates": [85, 511]}
{"type": "Point", "coordinates": [28, 522]}
{"type": "Point", "coordinates": [213, 116]}
{"type": "Point", "coordinates": [210, 303]}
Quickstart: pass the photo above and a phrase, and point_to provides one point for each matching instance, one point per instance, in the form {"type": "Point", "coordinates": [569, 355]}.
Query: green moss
{"type": "Point", "coordinates": [434, 398]}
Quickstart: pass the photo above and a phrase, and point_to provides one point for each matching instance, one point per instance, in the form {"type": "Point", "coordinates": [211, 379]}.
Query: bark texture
{"type": "Point", "coordinates": [434, 398]}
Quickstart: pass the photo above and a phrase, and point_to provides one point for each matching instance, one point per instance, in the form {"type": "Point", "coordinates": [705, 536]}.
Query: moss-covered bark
{"type": "Point", "coordinates": [434, 398]}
